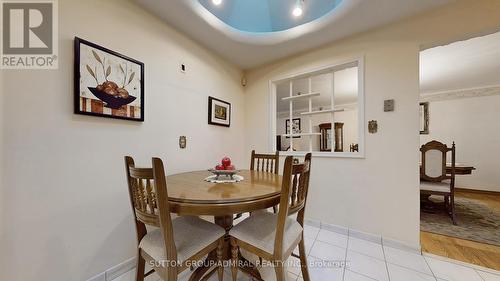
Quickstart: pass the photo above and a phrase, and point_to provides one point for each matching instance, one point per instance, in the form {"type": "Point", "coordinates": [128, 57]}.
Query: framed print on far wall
{"type": "Point", "coordinates": [424, 118]}
{"type": "Point", "coordinates": [219, 112]}
{"type": "Point", "coordinates": [295, 127]}
{"type": "Point", "coordinates": [107, 84]}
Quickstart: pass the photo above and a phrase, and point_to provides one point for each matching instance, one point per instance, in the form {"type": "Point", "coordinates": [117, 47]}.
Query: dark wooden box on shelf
{"type": "Point", "coordinates": [339, 136]}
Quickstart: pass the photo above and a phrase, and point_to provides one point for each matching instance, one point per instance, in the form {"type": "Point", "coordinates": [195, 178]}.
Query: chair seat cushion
{"type": "Point", "coordinates": [435, 186]}
{"type": "Point", "coordinates": [191, 235]}
{"type": "Point", "coordinates": [259, 230]}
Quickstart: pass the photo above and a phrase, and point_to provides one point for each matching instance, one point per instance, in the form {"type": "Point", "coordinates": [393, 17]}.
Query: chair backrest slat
{"type": "Point", "coordinates": [294, 189]}
{"type": "Point", "coordinates": [149, 200]}
{"type": "Point", "coordinates": [300, 185]}
{"type": "Point", "coordinates": [142, 192]}
{"type": "Point", "coordinates": [265, 162]}
{"type": "Point", "coordinates": [164, 213]}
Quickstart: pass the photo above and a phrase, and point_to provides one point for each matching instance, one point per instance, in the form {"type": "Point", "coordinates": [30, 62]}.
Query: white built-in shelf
{"type": "Point", "coordinates": [301, 134]}
{"type": "Point", "coordinates": [321, 111]}
{"type": "Point", "coordinates": [303, 96]}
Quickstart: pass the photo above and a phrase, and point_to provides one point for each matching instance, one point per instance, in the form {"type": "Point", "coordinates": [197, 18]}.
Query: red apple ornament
{"type": "Point", "coordinates": [219, 167]}
{"type": "Point", "coordinates": [226, 161]}
{"type": "Point", "coordinates": [230, 168]}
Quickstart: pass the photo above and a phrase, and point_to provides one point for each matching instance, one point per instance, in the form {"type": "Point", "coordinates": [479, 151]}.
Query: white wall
{"type": "Point", "coordinates": [2, 195]}
{"type": "Point", "coordinates": [65, 198]}
{"type": "Point", "coordinates": [473, 124]}
{"type": "Point", "coordinates": [378, 194]}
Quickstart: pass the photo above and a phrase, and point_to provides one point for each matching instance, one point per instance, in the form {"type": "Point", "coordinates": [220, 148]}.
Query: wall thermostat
{"type": "Point", "coordinates": [388, 105]}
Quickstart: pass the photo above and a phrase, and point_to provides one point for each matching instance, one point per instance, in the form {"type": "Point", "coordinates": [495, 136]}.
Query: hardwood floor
{"type": "Point", "coordinates": [464, 250]}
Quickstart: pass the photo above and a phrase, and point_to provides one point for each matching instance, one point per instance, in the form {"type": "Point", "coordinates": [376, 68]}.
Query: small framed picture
{"type": "Point", "coordinates": [219, 112]}
{"type": "Point", "coordinates": [107, 84]}
{"type": "Point", "coordinates": [295, 127]}
{"type": "Point", "coordinates": [424, 118]}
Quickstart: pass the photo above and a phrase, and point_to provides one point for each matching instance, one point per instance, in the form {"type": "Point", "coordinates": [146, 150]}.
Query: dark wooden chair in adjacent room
{"type": "Point", "coordinates": [434, 180]}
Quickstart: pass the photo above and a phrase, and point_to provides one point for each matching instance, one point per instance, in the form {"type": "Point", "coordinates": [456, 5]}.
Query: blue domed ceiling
{"type": "Point", "coordinates": [267, 15]}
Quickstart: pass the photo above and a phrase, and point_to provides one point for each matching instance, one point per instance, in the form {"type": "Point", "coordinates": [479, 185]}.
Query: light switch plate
{"type": "Point", "coordinates": [182, 142]}
{"type": "Point", "coordinates": [388, 105]}
{"type": "Point", "coordinates": [372, 126]}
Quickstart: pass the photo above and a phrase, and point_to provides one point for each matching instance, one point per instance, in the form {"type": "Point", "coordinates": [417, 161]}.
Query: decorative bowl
{"type": "Point", "coordinates": [224, 173]}
{"type": "Point", "coordinates": [111, 101]}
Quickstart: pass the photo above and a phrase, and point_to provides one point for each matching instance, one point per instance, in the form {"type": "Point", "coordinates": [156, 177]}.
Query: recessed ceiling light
{"type": "Point", "coordinates": [297, 11]}
{"type": "Point", "coordinates": [217, 2]}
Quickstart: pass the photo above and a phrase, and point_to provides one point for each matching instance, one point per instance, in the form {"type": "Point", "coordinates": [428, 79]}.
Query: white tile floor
{"type": "Point", "coordinates": [365, 261]}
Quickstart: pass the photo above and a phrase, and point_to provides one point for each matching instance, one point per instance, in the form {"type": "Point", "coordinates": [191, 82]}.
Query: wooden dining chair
{"type": "Point", "coordinates": [176, 243]}
{"type": "Point", "coordinates": [433, 177]}
{"type": "Point", "coordinates": [273, 237]}
{"type": "Point", "coordinates": [265, 162]}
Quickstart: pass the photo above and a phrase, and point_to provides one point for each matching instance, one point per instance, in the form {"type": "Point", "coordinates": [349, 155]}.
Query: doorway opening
{"type": "Point", "coordinates": [459, 137]}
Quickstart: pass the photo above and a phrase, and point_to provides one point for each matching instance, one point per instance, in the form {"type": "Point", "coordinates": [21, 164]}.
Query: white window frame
{"type": "Point", "coordinates": [310, 72]}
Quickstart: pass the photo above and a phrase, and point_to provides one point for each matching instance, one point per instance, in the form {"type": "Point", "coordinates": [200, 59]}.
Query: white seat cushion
{"type": "Point", "coordinates": [191, 235]}
{"type": "Point", "coordinates": [435, 186]}
{"type": "Point", "coordinates": [259, 230]}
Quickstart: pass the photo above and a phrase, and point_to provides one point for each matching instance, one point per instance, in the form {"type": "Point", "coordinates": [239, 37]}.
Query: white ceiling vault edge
{"type": "Point", "coordinates": [250, 50]}
{"type": "Point", "coordinates": [276, 37]}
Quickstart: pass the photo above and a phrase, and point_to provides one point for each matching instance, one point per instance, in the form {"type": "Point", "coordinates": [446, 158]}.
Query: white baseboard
{"type": "Point", "coordinates": [115, 271]}
{"type": "Point", "coordinates": [401, 246]}
{"type": "Point", "coordinates": [363, 235]}
{"type": "Point", "coordinates": [311, 222]}
{"type": "Point", "coordinates": [335, 228]}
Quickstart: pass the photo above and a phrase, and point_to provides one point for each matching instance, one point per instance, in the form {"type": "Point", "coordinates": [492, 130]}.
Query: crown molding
{"type": "Point", "coordinates": [461, 94]}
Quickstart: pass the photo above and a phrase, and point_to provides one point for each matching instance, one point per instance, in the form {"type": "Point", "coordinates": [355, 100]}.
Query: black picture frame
{"type": "Point", "coordinates": [118, 105]}
{"type": "Point", "coordinates": [287, 127]}
{"type": "Point", "coordinates": [212, 120]}
{"type": "Point", "coordinates": [424, 118]}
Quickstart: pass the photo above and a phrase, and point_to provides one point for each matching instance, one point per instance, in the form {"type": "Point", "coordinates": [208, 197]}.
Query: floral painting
{"type": "Point", "coordinates": [107, 83]}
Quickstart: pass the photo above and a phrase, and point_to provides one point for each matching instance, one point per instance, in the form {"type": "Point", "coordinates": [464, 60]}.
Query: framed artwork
{"type": "Point", "coordinates": [107, 84]}
{"type": "Point", "coordinates": [424, 118]}
{"type": "Point", "coordinates": [295, 127]}
{"type": "Point", "coordinates": [219, 112]}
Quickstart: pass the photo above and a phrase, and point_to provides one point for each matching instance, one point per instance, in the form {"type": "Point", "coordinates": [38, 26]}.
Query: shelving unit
{"type": "Point", "coordinates": [301, 135]}
{"type": "Point", "coordinates": [304, 103]}
{"type": "Point", "coordinates": [303, 96]}
{"type": "Point", "coordinates": [310, 95]}
{"type": "Point", "coordinates": [321, 111]}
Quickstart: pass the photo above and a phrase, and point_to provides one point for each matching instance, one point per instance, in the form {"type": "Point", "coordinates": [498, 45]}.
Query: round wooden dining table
{"type": "Point", "coordinates": [190, 194]}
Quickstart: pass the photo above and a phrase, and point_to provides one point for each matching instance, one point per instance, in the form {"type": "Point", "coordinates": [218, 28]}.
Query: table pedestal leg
{"type": "Point", "coordinates": [227, 223]}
